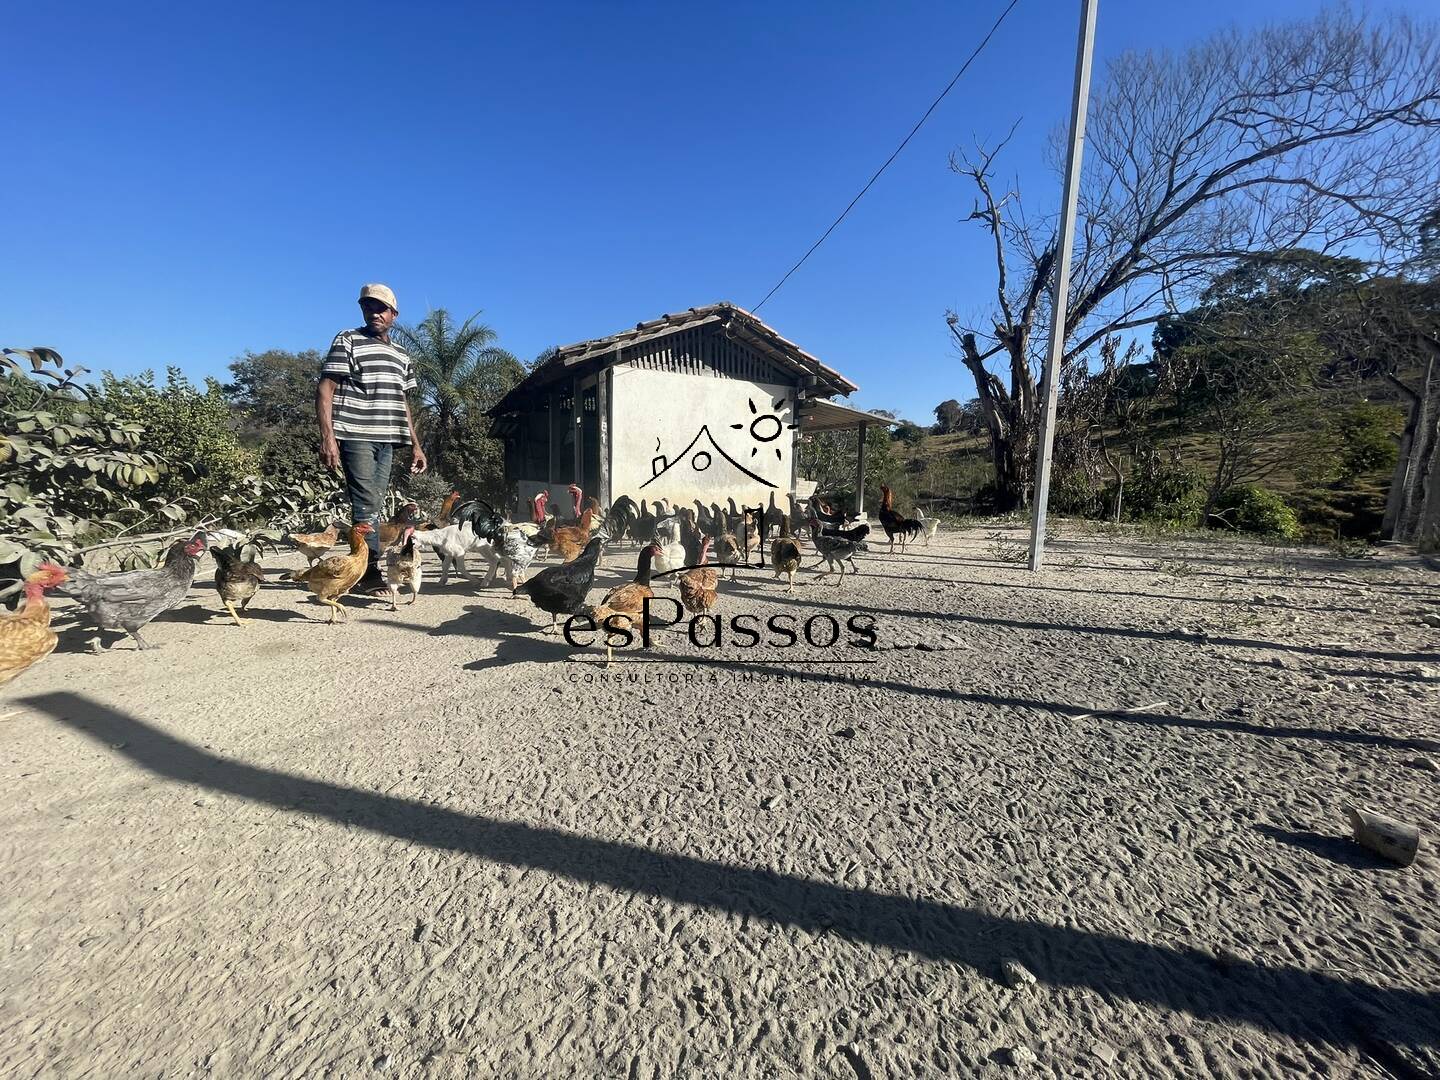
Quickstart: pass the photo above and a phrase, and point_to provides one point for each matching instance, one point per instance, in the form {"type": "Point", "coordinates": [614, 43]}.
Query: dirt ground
{"type": "Point", "coordinates": [437, 843]}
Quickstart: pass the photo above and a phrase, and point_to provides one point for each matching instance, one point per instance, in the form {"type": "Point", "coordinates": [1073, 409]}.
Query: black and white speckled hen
{"type": "Point", "coordinates": [127, 601]}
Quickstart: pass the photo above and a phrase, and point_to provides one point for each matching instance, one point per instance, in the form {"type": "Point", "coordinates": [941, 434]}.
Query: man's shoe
{"type": "Point", "coordinates": [372, 584]}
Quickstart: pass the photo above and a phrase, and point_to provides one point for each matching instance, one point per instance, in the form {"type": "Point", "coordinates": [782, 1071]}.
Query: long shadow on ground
{"type": "Point", "coordinates": [1294, 1002]}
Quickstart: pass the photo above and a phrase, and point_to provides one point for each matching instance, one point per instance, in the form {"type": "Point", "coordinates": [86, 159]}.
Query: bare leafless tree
{"type": "Point", "coordinates": [1318, 133]}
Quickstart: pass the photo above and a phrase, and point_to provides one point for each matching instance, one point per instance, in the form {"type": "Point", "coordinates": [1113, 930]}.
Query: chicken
{"type": "Point", "coordinates": [691, 536]}
{"type": "Point", "coordinates": [855, 536]}
{"type": "Point", "coordinates": [25, 634]}
{"type": "Point", "coordinates": [447, 508]}
{"type": "Point", "coordinates": [625, 604]}
{"type": "Point", "coordinates": [785, 555]}
{"type": "Point", "coordinates": [402, 567]}
{"type": "Point", "coordinates": [333, 577]}
{"type": "Point", "coordinates": [928, 526]}
{"type": "Point", "coordinates": [314, 546]}
{"type": "Point", "coordinates": [643, 530]}
{"type": "Point", "coordinates": [127, 601]}
{"type": "Point", "coordinates": [893, 523]}
{"type": "Point", "coordinates": [620, 521]}
{"type": "Point", "coordinates": [727, 548]}
{"type": "Point", "coordinates": [392, 530]}
{"type": "Point", "coordinates": [237, 579]}
{"type": "Point", "coordinates": [561, 590]}
{"type": "Point", "coordinates": [834, 548]}
{"type": "Point", "coordinates": [568, 541]}
{"type": "Point", "coordinates": [754, 532]}
{"type": "Point", "coordinates": [698, 586]}
{"type": "Point", "coordinates": [672, 550]}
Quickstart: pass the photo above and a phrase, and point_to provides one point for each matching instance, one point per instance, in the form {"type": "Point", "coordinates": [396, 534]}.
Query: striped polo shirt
{"type": "Point", "coordinates": [373, 377]}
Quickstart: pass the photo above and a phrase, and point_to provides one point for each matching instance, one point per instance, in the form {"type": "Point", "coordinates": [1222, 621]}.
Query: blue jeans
{"type": "Point", "coordinates": [367, 478]}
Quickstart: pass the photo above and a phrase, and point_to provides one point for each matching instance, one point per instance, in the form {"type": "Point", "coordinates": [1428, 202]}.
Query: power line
{"type": "Point", "coordinates": [978, 49]}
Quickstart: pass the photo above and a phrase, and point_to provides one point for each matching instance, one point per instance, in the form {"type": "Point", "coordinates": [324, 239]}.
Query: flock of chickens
{"type": "Point", "coordinates": [675, 542]}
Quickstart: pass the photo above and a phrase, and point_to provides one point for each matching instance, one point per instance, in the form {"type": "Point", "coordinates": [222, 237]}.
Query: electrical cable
{"type": "Point", "coordinates": [978, 49]}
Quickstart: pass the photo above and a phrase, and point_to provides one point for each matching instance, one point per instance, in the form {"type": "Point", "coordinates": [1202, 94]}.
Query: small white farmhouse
{"type": "Point", "coordinates": [708, 404]}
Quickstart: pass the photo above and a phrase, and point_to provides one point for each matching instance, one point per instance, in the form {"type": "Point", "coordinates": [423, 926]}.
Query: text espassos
{"type": "Point", "coordinates": [709, 631]}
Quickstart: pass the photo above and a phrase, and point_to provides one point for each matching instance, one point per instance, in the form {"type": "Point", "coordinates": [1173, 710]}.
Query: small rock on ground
{"type": "Point", "coordinates": [1018, 1055]}
{"type": "Point", "coordinates": [1016, 975]}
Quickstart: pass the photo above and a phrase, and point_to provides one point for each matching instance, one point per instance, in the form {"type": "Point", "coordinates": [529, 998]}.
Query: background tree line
{"type": "Point", "coordinates": [1203, 171]}
{"type": "Point", "coordinates": [89, 461]}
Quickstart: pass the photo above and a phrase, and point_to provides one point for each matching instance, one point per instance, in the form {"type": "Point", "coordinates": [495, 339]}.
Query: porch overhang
{"type": "Point", "coordinates": [820, 415]}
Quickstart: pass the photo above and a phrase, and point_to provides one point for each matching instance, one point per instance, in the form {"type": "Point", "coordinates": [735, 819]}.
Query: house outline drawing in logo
{"type": "Point", "coordinates": [661, 465]}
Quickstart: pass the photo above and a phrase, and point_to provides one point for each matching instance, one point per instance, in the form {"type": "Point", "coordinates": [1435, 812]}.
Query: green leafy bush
{"type": "Point", "coordinates": [1254, 509]}
{"type": "Point", "coordinates": [74, 471]}
{"type": "Point", "coordinates": [1072, 493]}
{"type": "Point", "coordinates": [191, 430]}
{"type": "Point", "coordinates": [1164, 491]}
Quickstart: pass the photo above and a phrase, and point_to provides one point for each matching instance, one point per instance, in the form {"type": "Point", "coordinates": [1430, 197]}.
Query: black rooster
{"type": "Point", "coordinates": [561, 590]}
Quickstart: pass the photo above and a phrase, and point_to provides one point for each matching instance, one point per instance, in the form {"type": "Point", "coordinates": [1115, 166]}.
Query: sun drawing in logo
{"type": "Point", "coordinates": [765, 427]}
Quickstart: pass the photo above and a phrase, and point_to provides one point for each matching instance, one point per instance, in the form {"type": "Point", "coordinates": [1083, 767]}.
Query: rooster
{"type": "Point", "coordinates": [785, 555]}
{"type": "Point", "coordinates": [127, 601]}
{"type": "Point", "coordinates": [893, 523]}
{"type": "Point", "coordinates": [333, 577]}
{"type": "Point", "coordinates": [237, 579]}
{"type": "Point", "coordinates": [643, 531]}
{"type": "Point", "coordinates": [698, 586]}
{"type": "Point", "coordinates": [561, 590]}
{"type": "Point", "coordinates": [25, 634]}
{"type": "Point", "coordinates": [314, 546]}
{"type": "Point", "coordinates": [620, 521]}
{"type": "Point", "coordinates": [625, 603]}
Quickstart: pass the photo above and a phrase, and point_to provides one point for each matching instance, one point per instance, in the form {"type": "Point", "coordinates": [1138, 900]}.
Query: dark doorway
{"type": "Point", "coordinates": [590, 441]}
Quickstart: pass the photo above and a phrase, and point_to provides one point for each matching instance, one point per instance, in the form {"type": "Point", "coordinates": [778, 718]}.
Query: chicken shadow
{"type": "Point", "coordinates": [1313, 1006]}
{"type": "Point", "coordinates": [200, 614]}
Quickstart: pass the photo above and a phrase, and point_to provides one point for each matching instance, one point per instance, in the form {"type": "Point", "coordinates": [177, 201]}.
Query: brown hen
{"type": "Point", "coordinates": [333, 577]}
{"type": "Point", "coordinates": [697, 586]}
{"type": "Point", "coordinates": [625, 603]}
{"type": "Point", "coordinates": [25, 635]}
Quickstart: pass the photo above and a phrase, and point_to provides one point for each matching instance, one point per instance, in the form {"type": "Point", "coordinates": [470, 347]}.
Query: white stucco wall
{"type": "Point", "coordinates": [658, 414]}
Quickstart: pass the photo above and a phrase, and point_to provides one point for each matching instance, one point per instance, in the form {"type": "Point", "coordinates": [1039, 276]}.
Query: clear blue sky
{"type": "Point", "coordinates": [186, 182]}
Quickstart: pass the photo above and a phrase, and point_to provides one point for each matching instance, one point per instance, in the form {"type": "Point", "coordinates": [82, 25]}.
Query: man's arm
{"type": "Point", "coordinates": [418, 464]}
{"type": "Point", "coordinates": [324, 403]}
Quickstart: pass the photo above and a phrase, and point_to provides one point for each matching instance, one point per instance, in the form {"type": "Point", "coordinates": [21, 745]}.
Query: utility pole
{"type": "Point", "coordinates": [1060, 284]}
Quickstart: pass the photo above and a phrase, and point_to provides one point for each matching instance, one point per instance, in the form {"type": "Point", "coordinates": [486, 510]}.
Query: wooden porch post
{"type": "Point", "coordinates": [860, 472]}
{"type": "Point", "coordinates": [602, 407]}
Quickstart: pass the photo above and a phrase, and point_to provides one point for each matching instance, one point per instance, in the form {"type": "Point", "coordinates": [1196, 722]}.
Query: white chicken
{"type": "Point", "coordinates": [672, 551]}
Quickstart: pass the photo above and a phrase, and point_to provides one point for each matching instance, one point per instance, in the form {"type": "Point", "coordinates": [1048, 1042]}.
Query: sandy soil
{"type": "Point", "coordinates": [434, 843]}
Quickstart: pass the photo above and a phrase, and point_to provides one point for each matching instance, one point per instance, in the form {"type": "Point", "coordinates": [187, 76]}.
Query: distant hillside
{"type": "Point", "coordinates": [944, 473]}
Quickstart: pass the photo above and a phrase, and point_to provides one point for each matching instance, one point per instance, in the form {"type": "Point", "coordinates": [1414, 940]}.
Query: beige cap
{"type": "Point", "coordinates": [381, 293]}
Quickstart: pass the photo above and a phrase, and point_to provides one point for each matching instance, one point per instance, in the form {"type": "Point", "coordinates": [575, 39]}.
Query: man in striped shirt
{"type": "Point", "coordinates": [363, 413]}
